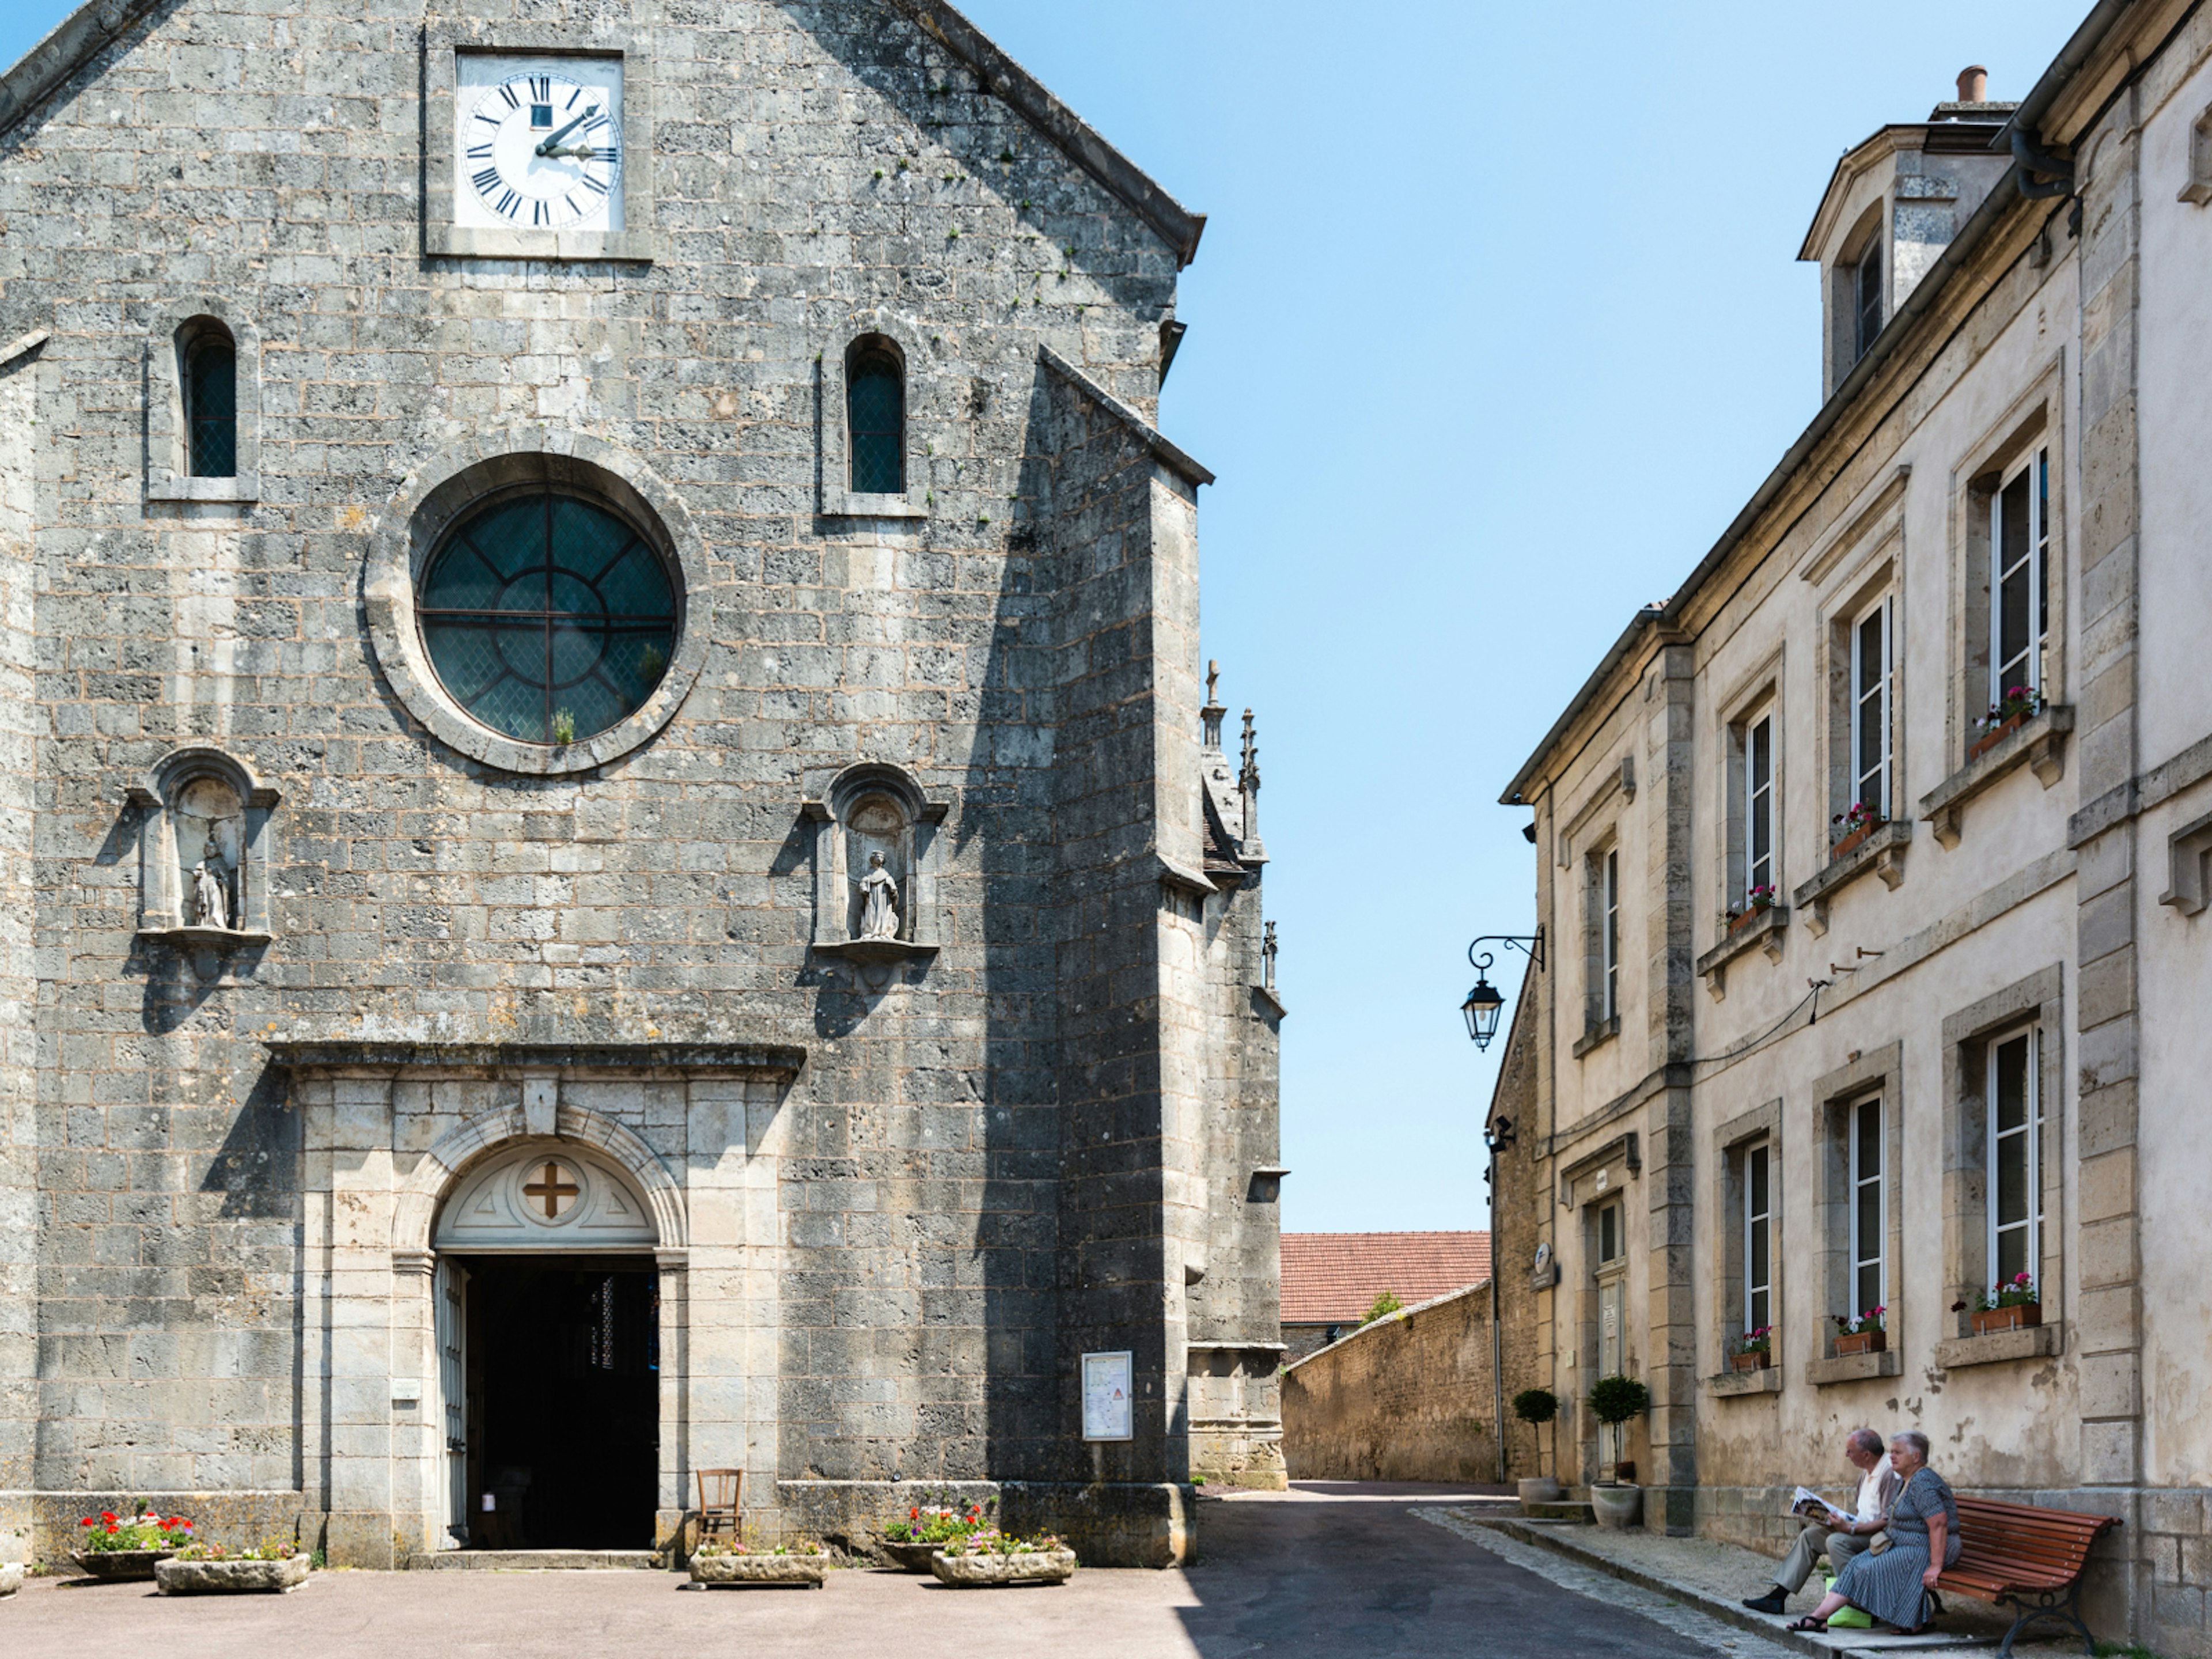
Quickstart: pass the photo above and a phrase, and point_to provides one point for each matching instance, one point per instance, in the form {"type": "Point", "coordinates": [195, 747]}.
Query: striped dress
{"type": "Point", "coordinates": [1889, 1585]}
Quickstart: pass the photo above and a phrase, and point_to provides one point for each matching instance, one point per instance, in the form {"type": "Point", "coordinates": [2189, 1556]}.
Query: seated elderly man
{"type": "Point", "coordinates": [1823, 1535]}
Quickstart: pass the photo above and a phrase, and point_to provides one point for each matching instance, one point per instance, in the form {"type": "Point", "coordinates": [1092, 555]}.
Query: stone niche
{"type": "Point", "coordinates": [875, 869]}
{"type": "Point", "coordinates": [203, 855]}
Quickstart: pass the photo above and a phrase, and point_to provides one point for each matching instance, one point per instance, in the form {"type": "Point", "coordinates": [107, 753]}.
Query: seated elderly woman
{"type": "Point", "coordinates": [1923, 1539]}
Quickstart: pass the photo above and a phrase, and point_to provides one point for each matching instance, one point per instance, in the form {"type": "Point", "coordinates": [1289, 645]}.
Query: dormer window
{"type": "Point", "coordinates": [1866, 296]}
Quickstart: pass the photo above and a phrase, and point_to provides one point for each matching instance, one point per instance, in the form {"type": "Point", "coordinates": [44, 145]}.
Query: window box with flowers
{"type": "Point", "coordinates": [1863, 839]}
{"type": "Point", "coordinates": [1862, 1333]}
{"type": "Point", "coordinates": [725, 1561]}
{"type": "Point", "coordinates": [929, 1526]}
{"type": "Point", "coordinates": [120, 1547]}
{"type": "Point", "coordinates": [273, 1565]}
{"type": "Point", "coordinates": [2016, 1304]}
{"type": "Point", "coordinates": [1758, 925]}
{"type": "Point", "coordinates": [1754, 1351]}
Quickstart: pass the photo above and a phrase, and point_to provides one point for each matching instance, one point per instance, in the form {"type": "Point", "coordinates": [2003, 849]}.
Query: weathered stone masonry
{"type": "Point", "coordinates": [899, 1206]}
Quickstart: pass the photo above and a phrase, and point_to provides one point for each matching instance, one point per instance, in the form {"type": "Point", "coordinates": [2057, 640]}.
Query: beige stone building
{"type": "Point", "coordinates": [1853, 998]}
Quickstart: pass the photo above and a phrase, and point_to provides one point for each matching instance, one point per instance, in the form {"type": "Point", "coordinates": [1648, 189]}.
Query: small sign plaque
{"type": "Point", "coordinates": [1108, 1409]}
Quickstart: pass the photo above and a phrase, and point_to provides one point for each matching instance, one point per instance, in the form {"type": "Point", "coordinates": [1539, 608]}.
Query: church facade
{"type": "Point", "coordinates": [614, 860]}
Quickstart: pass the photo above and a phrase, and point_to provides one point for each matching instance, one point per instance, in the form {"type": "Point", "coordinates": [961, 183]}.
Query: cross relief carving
{"type": "Point", "coordinates": [553, 1189]}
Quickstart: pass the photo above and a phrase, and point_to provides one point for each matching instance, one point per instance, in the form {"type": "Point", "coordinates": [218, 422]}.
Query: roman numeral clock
{"type": "Point", "coordinates": [540, 143]}
{"type": "Point", "coordinates": [541, 148]}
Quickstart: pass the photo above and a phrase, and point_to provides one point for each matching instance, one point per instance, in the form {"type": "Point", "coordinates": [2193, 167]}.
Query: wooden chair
{"type": "Point", "coordinates": [2028, 1557]}
{"type": "Point", "coordinates": [718, 1503]}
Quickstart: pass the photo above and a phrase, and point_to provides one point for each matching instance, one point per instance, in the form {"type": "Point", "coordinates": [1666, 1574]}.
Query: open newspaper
{"type": "Point", "coordinates": [1804, 1500]}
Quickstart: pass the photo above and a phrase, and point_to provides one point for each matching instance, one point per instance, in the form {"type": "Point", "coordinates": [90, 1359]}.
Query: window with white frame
{"type": "Point", "coordinates": [1609, 941]}
{"type": "Point", "coordinates": [2019, 580]}
{"type": "Point", "coordinates": [1869, 1210]}
{"type": "Point", "coordinates": [2014, 1117]}
{"type": "Point", "coordinates": [1758, 1237]}
{"type": "Point", "coordinates": [1870, 709]}
{"type": "Point", "coordinates": [1758, 806]}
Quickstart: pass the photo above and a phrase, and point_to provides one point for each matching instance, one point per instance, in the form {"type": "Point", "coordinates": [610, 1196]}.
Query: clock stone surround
{"type": "Point", "coordinates": [445, 107]}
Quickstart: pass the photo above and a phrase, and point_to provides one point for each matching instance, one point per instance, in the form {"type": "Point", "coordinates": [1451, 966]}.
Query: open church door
{"type": "Point", "coordinates": [453, 1394]}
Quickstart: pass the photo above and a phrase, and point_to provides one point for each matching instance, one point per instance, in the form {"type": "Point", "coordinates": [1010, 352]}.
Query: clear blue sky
{"type": "Point", "coordinates": [1495, 326]}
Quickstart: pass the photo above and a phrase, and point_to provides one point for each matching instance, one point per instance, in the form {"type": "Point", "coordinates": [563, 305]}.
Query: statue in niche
{"type": "Point", "coordinates": [210, 889]}
{"type": "Point", "coordinates": [880, 916]}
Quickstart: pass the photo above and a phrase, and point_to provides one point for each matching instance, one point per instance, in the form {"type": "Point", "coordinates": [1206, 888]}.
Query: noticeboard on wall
{"type": "Point", "coordinates": [1107, 1384]}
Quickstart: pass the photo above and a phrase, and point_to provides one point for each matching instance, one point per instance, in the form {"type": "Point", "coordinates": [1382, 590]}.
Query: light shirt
{"type": "Point", "coordinates": [1878, 1489]}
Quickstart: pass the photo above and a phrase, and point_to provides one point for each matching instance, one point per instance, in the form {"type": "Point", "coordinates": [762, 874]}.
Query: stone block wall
{"type": "Point", "coordinates": [1407, 1398]}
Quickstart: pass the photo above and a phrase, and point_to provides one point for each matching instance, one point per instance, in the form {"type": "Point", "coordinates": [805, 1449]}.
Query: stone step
{"type": "Point", "coordinates": [1581, 1513]}
{"type": "Point", "coordinates": [534, 1561]}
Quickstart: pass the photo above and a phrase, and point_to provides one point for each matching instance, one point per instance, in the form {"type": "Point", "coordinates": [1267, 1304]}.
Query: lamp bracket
{"type": "Point", "coordinates": [1529, 944]}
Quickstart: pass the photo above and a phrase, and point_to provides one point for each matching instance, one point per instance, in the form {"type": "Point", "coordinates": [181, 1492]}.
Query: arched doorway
{"type": "Point", "coordinates": [548, 1337]}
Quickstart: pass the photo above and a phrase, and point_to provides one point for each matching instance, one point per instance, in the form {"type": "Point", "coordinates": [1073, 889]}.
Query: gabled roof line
{"type": "Point", "coordinates": [1148, 435]}
{"type": "Point", "coordinates": [72, 43]}
{"type": "Point", "coordinates": [1007, 81]}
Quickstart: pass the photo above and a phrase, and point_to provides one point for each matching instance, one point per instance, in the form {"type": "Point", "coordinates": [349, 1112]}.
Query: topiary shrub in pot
{"type": "Point", "coordinates": [1533, 1406]}
{"type": "Point", "coordinates": [1613, 1400]}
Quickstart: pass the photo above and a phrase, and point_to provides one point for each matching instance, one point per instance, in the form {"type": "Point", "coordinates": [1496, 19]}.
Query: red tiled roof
{"type": "Point", "coordinates": [1335, 1277]}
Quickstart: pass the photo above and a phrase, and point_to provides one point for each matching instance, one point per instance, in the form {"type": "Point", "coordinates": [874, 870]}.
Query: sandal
{"type": "Point", "coordinates": [1808, 1623]}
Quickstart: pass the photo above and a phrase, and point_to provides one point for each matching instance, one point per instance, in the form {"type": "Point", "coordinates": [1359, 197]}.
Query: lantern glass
{"type": "Point", "coordinates": [1482, 1009]}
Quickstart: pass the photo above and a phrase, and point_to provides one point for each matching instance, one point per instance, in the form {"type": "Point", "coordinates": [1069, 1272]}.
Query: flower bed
{"type": "Point", "coordinates": [803, 1563]}
{"type": "Point", "coordinates": [119, 1548]}
{"type": "Point", "coordinates": [991, 1558]}
{"type": "Point", "coordinates": [929, 1527]}
{"type": "Point", "coordinates": [217, 1569]}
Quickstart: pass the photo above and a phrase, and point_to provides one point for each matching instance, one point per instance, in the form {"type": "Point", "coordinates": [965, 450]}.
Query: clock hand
{"type": "Point", "coordinates": [546, 148]}
{"type": "Point", "coordinates": [581, 152]}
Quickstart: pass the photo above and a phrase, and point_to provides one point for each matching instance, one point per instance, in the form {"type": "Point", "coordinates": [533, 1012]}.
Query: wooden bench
{"type": "Point", "coordinates": [2030, 1557]}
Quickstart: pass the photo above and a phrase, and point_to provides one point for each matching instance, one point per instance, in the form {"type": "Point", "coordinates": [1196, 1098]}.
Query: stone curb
{"type": "Point", "coordinates": [1553, 1538]}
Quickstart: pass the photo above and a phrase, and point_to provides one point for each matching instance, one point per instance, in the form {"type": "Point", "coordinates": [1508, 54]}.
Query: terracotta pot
{"type": "Point", "coordinates": [1864, 1342]}
{"type": "Point", "coordinates": [230, 1577]}
{"type": "Point", "coordinates": [119, 1566]}
{"type": "Point", "coordinates": [1737, 924]}
{"type": "Point", "coordinates": [2020, 1316]}
{"type": "Point", "coordinates": [1030, 1566]}
{"type": "Point", "coordinates": [1752, 1362]}
{"type": "Point", "coordinates": [1996, 735]}
{"type": "Point", "coordinates": [1617, 1508]}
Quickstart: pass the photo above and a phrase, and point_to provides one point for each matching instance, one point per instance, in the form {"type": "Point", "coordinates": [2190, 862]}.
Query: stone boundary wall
{"type": "Point", "coordinates": [1407, 1398]}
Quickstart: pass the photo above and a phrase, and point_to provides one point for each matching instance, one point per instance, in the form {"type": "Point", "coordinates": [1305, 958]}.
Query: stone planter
{"type": "Point", "coordinates": [230, 1577]}
{"type": "Point", "coordinates": [1864, 1342]}
{"type": "Point", "coordinates": [911, 1557]}
{"type": "Point", "coordinates": [1031, 1566]}
{"type": "Point", "coordinates": [119, 1566]}
{"type": "Point", "coordinates": [11, 1577]}
{"type": "Point", "coordinates": [1758, 1361]}
{"type": "Point", "coordinates": [1541, 1489]}
{"type": "Point", "coordinates": [760, 1570]}
{"type": "Point", "coordinates": [2018, 1318]}
{"type": "Point", "coordinates": [1617, 1508]}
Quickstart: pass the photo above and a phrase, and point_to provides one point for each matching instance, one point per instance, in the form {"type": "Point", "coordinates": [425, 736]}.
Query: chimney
{"type": "Point", "coordinates": [1973, 84]}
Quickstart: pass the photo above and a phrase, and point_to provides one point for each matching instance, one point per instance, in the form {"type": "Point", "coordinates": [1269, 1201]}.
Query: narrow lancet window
{"type": "Point", "coordinates": [210, 388]}
{"type": "Point", "coordinates": [876, 419]}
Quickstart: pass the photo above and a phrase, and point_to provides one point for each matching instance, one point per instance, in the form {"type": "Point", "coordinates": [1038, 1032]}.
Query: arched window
{"type": "Point", "coordinates": [875, 400]}
{"type": "Point", "coordinates": [209, 379]}
{"type": "Point", "coordinates": [547, 616]}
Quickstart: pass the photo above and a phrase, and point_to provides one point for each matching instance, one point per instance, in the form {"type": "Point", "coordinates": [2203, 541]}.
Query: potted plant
{"type": "Point", "coordinates": [2007, 715]}
{"type": "Point", "coordinates": [1852, 827]}
{"type": "Point", "coordinates": [1756, 903]}
{"type": "Point", "coordinates": [728, 1561]}
{"type": "Point", "coordinates": [929, 1527]}
{"type": "Point", "coordinates": [117, 1548]}
{"type": "Point", "coordinates": [2014, 1305]}
{"type": "Point", "coordinates": [217, 1569]}
{"type": "Point", "coordinates": [1862, 1333]}
{"type": "Point", "coordinates": [994, 1557]}
{"type": "Point", "coordinates": [1618, 1503]}
{"type": "Point", "coordinates": [1533, 1406]}
{"type": "Point", "coordinates": [1754, 1351]}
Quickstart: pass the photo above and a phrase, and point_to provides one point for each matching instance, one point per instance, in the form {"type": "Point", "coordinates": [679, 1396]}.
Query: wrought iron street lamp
{"type": "Point", "coordinates": [1486, 1002]}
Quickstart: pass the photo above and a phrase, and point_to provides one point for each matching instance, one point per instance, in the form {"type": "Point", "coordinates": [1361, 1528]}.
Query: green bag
{"type": "Point", "coordinates": [1847, 1618]}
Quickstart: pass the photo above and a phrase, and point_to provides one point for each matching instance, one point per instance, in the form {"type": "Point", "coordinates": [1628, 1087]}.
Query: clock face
{"type": "Point", "coordinates": [538, 143]}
